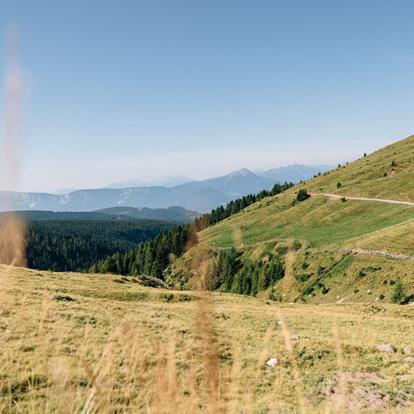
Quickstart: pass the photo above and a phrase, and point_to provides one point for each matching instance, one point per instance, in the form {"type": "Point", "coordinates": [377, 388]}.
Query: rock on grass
{"type": "Point", "coordinates": [386, 348]}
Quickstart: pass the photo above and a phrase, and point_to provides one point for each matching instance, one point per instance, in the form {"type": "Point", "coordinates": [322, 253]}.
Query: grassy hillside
{"type": "Point", "coordinates": [104, 344]}
{"type": "Point", "coordinates": [321, 231]}
{"type": "Point", "coordinates": [387, 173]}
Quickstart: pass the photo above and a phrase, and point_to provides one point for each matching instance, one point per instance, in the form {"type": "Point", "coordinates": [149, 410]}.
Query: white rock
{"type": "Point", "coordinates": [386, 348]}
{"type": "Point", "coordinates": [409, 360]}
{"type": "Point", "coordinates": [295, 337]}
{"type": "Point", "coordinates": [408, 350]}
{"type": "Point", "coordinates": [272, 362]}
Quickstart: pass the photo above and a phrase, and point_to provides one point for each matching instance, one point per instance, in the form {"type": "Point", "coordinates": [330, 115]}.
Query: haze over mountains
{"type": "Point", "coordinates": [197, 196]}
{"type": "Point", "coordinates": [151, 182]}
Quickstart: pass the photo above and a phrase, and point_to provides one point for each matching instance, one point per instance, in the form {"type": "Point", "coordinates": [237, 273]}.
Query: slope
{"type": "Point", "coordinates": [341, 236]}
{"type": "Point", "coordinates": [76, 343]}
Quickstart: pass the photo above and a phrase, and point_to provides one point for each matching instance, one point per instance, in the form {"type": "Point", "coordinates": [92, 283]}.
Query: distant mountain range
{"type": "Point", "coordinates": [197, 196]}
{"type": "Point", "coordinates": [294, 173]}
{"type": "Point", "coordinates": [151, 182]}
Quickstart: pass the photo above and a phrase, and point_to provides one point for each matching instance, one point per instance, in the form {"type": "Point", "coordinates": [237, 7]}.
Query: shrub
{"type": "Point", "coordinates": [282, 250]}
{"type": "Point", "coordinates": [302, 277]}
{"type": "Point", "coordinates": [398, 293]}
{"type": "Point", "coordinates": [361, 274]}
{"type": "Point", "coordinates": [167, 297]}
{"type": "Point", "coordinates": [338, 185]}
{"type": "Point", "coordinates": [302, 195]}
{"type": "Point", "coordinates": [272, 295]}
{"type": "Point", "coordinates": [297, 245]}
{"type": "Point", "coordinates": [308, 290]}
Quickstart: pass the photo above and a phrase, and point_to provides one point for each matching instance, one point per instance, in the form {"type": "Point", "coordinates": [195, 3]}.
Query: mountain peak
{"type": "Point", "coordinates": [244, 172]}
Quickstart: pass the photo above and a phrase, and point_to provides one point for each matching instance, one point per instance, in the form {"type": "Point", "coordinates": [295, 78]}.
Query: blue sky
{"type": "Point", "coordinates": [122, 89]}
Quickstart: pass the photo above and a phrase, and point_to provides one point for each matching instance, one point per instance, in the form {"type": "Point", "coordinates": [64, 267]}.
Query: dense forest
{"type": "Point", "coordinates": [150, 257]}
{"type": "Point", "coordinates": [70, 245]}
{"type": "Point", "coordinates": [153, 256]}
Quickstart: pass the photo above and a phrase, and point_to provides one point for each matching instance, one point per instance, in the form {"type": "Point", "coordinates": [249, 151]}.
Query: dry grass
{"type": "Point", "coordinates": [123, 348]}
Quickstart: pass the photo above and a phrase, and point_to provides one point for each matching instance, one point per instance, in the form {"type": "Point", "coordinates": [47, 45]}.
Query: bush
{"type": "Point", "coordinates": [338, 185]}
{"type": "Point", "coordinates": [302, 277]}
{"type": "Point", "coordinates": [308, 290]}
{"type": "Point", "coordinates": [361, 274]}
{"type": "Point", "coordinates": [302, 195]}
{"type": "Point", "coordinates": [297, 245]}
{"type": "Point", "coordinates": [398, 293]}
{"type": "Point", "coordinates": [325, 290]}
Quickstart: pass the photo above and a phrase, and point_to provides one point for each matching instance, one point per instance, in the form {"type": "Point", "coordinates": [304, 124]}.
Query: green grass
{"type": "Point", "coordinates": [326, 228]}
{"type": "Point", "coordinates": [365, 177]}
{"type": "Point", "coordinates": [319, 220]}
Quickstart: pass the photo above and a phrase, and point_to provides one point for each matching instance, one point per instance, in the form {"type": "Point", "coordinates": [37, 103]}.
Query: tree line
{"type": "Point", "coordinates": [235, 206]}
{"type": "Point", "coordinates": [148, 258]}
{"type": "Point", "coordinates": [152, 257]}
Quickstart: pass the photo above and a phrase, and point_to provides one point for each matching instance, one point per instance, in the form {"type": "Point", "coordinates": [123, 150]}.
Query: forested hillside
{"type": "Point", "coordinates": [69, 245]}
{"type": "Point", "coordinates": [153, 257]}
{"type": "Point", "coordinates": [332, 247]}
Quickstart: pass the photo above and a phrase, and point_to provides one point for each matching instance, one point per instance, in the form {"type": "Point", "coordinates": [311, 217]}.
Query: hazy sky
{"type": "Point", "coordinates": [122, 89]}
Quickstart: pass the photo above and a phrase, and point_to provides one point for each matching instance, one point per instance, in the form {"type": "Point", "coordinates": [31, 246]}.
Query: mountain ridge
{"type": "Point", "coordinates": [344, 244]}
{"type": "Point", "coordinates": [200, 196]}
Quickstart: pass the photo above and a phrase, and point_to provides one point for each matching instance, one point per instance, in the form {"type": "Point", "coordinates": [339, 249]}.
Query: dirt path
{"type": "Point", "coordinates": [351, 251]}
{"type": "Point", "coordinates": [381, 200]}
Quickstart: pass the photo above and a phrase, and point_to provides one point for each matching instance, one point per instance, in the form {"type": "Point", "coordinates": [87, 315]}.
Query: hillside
{"type": "Point", "coordinates": [332, 249]}
{"type": "Point", "coordinates": [104, 344]}
{"type": "Point", "coordinates": [387, 173]}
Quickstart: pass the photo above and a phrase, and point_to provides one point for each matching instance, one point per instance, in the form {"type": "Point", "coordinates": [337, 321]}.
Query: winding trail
{"type": "Point", "coordinates": [381, 200]}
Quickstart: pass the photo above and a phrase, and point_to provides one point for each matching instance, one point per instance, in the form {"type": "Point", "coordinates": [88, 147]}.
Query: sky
{"type": "Point", "coordinates": [117, 90]}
